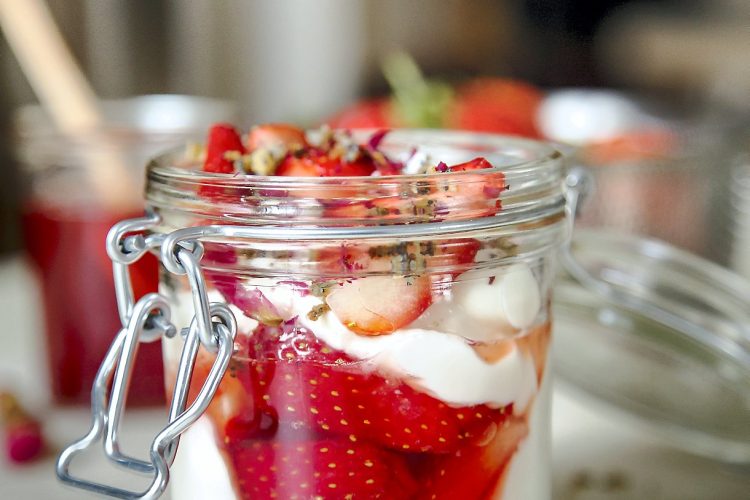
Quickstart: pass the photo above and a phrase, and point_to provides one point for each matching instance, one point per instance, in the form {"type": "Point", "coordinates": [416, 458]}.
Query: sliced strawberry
{"type": "Point", "coordinates": [389, 207]}
{"type": "Point", "coordinates": [376, 305]}
{"type": "Point", "coordinates": [375, 113]}
{"type": "Point", "coordinates": [345, 259]}
{"type": "Point", "coordinates": [475, 164]}
{"type": "Point", "coordinates": [476, 195]}
{"type": "Point", "coordinates": [222, 139]}
{"type": "Point", "coordinates": [319, 165]}
{"type": "Point", "coordinates": [310, 388]}
{"type": "Point", "coordinates": [275, 136]}
{"type": "Point", "coordinates": [330, 468]}
{"type": "Point", "coordinates": [448, 260]}
{"type": "Point", "coordinates": [455, 253]}
{"type": "Point", "coordinates": [474, 471]}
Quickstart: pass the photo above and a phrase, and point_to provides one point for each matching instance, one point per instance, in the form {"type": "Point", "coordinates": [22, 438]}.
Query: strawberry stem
{"type": "Point", "coordinates": [419, 102]}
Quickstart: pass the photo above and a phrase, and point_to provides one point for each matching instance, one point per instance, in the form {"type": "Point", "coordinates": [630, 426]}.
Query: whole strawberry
{"type": "Point", "coordinates": [496, 105]}
{"type": "Point", "coordinates": [487, 104]}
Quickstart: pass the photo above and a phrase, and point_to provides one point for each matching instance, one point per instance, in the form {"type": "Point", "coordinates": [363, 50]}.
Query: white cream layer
{"type": "Point", "coordinates": [200, 470]}
{"type": "Point", "coordinates": [442, 364]}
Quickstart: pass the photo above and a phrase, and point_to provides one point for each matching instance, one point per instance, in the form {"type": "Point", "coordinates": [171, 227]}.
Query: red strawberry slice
{"type": "Point", "coordinates": [476, 471]}
{"type": "Point", "coordinates": [387, 207]}
{"type": "Point", "coordinates": [346, 259]}
{"type": "Point", "coordinates": [377, 305]}
{"type": "Point", "coordinates": [475, 164]}
{"type": "Point", "coordinates": [455, 252]}
{"type": "Point", "coordinates": [224, 142]}
{"type": "Point", "coordinates": [222, 139]}
{"type": "Point", "coordinates": [313, 164]}
{"type": "Point", "coordinates": [276, 135]}
{"type": "Point", "coordinates": [308, 386]}
{"type": "Point", "coordinates": [330, 468]}
{"type": "Point", "coordinates": [475, 195]}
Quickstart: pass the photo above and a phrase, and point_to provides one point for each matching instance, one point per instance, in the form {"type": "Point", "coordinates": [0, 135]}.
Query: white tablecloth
{"type": "Point", "coordinates": [596, 456]}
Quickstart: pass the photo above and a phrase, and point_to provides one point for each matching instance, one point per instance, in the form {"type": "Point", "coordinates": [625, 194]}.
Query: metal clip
{"type": "Point", "coordinates": [146, 321]}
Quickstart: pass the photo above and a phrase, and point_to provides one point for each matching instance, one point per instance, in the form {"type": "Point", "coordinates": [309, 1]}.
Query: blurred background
{"type": "Point", "coordinates": [302, 61]}
{"type": "Point", "coordinates": [652, 95]}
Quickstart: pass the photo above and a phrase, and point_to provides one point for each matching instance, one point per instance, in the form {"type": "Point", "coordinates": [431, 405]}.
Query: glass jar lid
{"type": "Point", "coordinates": [662, 335]}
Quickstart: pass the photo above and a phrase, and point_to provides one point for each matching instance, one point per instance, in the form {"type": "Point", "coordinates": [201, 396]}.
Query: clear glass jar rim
{"type": "Point", "coordinates": [531, 171]}
{"type": "Point", "coordinates": [543, 152]}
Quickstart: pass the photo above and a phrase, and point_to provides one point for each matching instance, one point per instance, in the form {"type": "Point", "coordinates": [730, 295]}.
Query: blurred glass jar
{"type": "Point", "coordinates": [658, 171]}
{"type": "Point", "coordinates": [66, 221]}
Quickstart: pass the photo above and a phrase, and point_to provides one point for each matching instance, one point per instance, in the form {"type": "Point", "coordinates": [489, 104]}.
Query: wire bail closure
{"type": "Point", "coordinates": [147, 320]}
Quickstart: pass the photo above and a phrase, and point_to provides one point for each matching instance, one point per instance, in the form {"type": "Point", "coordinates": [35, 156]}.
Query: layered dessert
{"type": "Point", "coordinates": [387, 369]}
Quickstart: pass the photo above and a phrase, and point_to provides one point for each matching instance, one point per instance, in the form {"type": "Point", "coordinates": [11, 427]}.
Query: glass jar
{"type": "Point", "coordinates": [390, 364]}
{"type": "Point", "coordinates": [372, 337]}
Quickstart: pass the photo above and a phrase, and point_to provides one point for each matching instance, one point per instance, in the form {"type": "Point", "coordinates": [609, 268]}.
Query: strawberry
{"type": "Point", "coordinates": [346, 259]}
{"type": "Point", "coordinates": [276, 136]}
{"type": "Point", "coordinates": [387, 207]}
{"type": "Point", "coordinates": [377, 305]}
{"type": "Point", "coordinates": [475, 195]}
{"type": "Point", "coordinates": [496, 105]}
{"type": "Point", "coordinates": [329, 468]}
{"type": "Point", "coordinates": [375, 113]}
{"type": "Point", "coordinates": [222, 139]}
{"type": "Point", "coordinates": [224, 144]}
{"type": "Point", "coordinates": [307, 386]}
{"type": "Point", "coordinates": [449, 259]}
{"type": "Point", "coordinates": [487, 104]}
{"type": "Point", "coordinates": [474, 471]}
{"type": "Point", "coordinates": [315, 164]}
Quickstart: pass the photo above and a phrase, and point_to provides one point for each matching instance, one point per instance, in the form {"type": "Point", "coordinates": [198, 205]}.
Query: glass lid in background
{"type": "Point", "coordinates": [666, 338]}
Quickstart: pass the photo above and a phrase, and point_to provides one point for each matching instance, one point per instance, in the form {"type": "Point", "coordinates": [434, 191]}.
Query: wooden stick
{"type": "Point", "coordinates": [64, 91]}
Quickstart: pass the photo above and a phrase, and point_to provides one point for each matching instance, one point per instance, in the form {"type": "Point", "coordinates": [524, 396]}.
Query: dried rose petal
{"type": "Point", "coordinates": [377, 138]}
{"type": "Point", "coordinates": [23, 441]}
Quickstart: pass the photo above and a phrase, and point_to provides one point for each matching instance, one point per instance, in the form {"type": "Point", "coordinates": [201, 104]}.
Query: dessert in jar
{"type": "Point", "coordinates": [408, 361]}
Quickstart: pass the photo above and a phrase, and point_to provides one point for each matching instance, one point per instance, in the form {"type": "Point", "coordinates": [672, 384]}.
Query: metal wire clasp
{"type": "Point", "coordinates": [148, 320]}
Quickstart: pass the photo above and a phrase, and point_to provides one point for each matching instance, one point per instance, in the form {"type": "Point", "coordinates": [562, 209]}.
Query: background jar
{"type": "Point", "coordinates": [65, 223]}
{"type": "Point", "coordinates": [454, 268]}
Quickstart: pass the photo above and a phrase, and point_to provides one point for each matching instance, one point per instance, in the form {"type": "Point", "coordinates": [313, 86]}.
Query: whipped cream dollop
{"type": "Point", "coordinates": [486, 307]}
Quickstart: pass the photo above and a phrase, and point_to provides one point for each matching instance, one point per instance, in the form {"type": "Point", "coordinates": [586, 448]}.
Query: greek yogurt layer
{"type": "Point", "coordinates": [487, 308]}
{"type": "Point", "coordinates": [200, 466]}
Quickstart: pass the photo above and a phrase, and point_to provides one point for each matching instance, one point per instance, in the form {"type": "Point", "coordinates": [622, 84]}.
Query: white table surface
{"type": "Point", "coordinates": [595, 456]}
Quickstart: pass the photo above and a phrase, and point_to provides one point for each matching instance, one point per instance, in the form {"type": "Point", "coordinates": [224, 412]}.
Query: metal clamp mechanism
{"type": "Point", "coordinates": [148, 320]}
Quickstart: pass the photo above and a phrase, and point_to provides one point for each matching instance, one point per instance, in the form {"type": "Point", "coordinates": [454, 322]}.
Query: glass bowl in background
{"type": "Point", "coordinates": [65, 225]}
{"type": "Point", "coordinates": [659, 170]}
